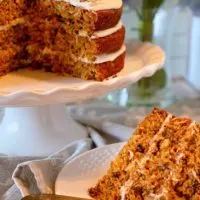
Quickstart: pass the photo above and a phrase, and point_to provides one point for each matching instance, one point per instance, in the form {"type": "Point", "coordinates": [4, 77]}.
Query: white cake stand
{"type": "Point", "coordinates": [35, 122]}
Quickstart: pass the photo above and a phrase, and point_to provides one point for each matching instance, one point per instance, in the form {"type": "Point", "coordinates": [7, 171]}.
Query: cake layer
{"type": "Point", "coordinates": [101, 19]}
{"type": "Point", "coordinates": [110, 43]}
{"type": "Point", "coordinates": [110, 68]}
{"type": "Point", "coordinates": [107, 18]}
{"type": "Point", "coordinates": [15, 33]}
{"type": "Point", "coordinates": [108, 13]}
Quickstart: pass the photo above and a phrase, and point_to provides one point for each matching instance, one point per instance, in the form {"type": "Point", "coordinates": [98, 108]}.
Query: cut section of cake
{"type": "Point", "coordinates": [161, 161]}
{"type": "Point", "coordinates": [82, 38]}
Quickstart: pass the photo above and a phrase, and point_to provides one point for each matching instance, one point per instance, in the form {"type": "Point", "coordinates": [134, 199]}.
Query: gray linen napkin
{"type": "Point", "coordinates": [7, 166]}
{"type": "Point", "coordinates": [38, 176]}
{"type": "Point", "coordinates": [106, 118]}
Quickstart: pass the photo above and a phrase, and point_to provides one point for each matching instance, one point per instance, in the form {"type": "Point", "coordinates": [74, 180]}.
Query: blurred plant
{"type": "Point", "coordinates": [146, 16]}
{"type": "Point", "coordinates": [146, 13]}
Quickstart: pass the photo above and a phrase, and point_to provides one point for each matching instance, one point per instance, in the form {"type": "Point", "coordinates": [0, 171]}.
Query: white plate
{"type": "Point", "coordinates": [84, 171]}
{"type": "Point", "coordinates": [38, 88]}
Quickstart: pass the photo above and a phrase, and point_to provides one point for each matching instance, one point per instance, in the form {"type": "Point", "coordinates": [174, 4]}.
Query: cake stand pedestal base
{"type": "Point", "coordinates": [37, 131]}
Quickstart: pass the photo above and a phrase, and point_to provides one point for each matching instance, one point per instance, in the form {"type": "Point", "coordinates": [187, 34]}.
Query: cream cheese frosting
{"type": "Point", "coordinates": [104, 33]}
{"type": "Point", "coordinates": [96, 5]}
{"type": "Point", "coordinates": [124, 189]}
{"type": "Point", "coordinates": [105, 57]}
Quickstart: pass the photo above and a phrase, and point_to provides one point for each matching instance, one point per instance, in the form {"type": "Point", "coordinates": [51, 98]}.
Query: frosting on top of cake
{"type": "Point", "coordinates": [96, 4]}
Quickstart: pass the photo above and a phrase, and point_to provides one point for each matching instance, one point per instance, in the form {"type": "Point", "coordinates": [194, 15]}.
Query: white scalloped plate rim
{"type": "Point", "coordinates": [145, 72]}
{"type": "Point", "coordinates": [64, 92]}
{"type": "Point", "coordinates": [65, 179]}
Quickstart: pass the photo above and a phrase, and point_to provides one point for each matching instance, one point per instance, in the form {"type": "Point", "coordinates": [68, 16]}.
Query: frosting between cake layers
{"type": "Point", "coordinates": [97, 34]}
{"type": "Point", "coordinates": [96, 5]}
{"type": "Point", "coordinates": [104, 33]}
{"type": "Point", "coordinates": [105, 57]}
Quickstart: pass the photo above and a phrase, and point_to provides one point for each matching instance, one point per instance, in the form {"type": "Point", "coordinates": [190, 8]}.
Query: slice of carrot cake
{"type": "Point", "coordinates": [161, 161]}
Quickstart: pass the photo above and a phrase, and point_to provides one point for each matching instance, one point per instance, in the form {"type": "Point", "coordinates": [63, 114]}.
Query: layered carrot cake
{"type": "Point", "coordinates": [82, 38]}
{"type": "Point", "coordinates": [161, 161]}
